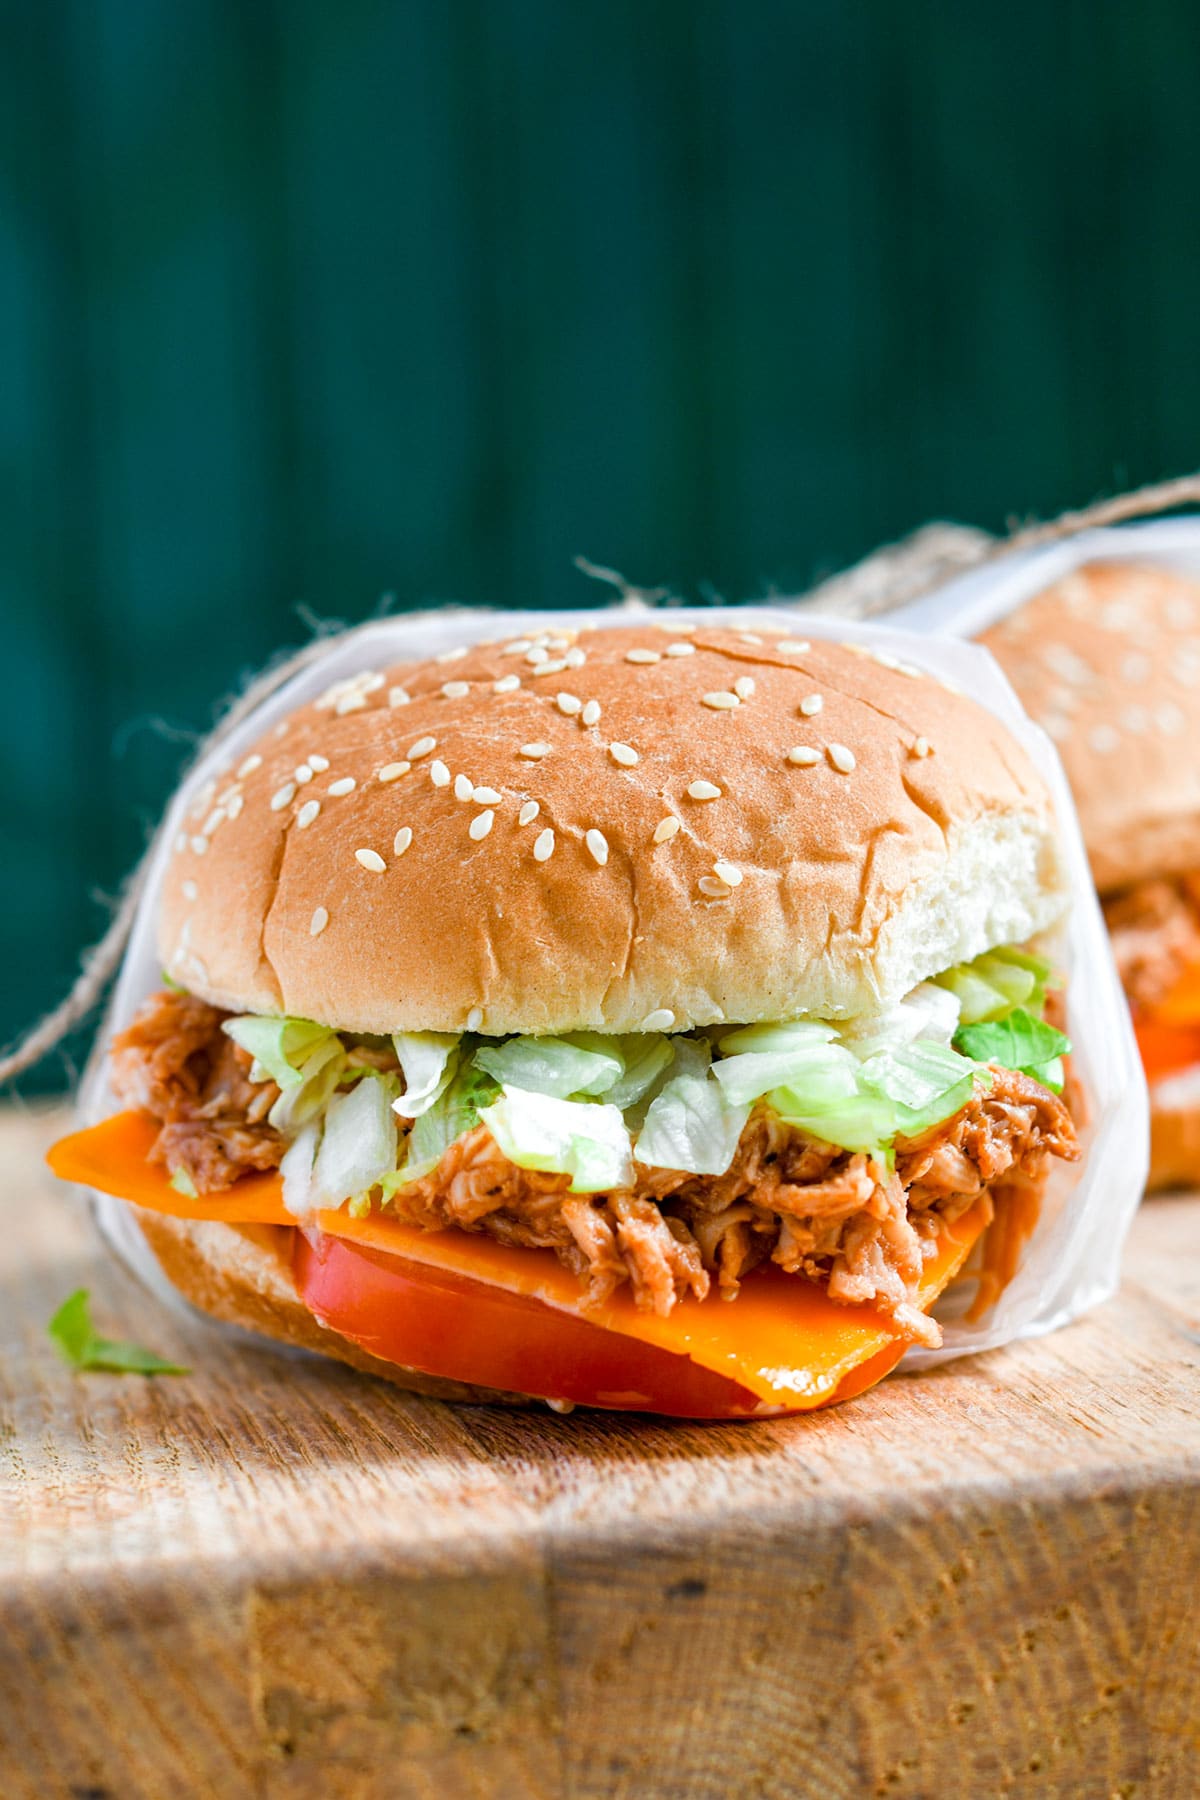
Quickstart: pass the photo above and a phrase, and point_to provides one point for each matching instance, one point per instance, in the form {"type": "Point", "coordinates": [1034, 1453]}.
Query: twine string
{"type": "Point", "coordinates": [888, 578]}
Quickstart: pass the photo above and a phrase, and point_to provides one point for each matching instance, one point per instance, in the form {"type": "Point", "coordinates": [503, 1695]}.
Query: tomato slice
{"type": "Point", "coordinates": [1166, 1048]}
{"type": "Point", "coordinates": [445, 1324]}
{"type": "Point", "coordinates": [783, 1345]}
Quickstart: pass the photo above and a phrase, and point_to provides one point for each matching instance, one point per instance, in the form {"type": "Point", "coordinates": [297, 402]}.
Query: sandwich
{"type": "Point", "coordinates": [1108, 662]}
{"type": "Point", "coordinates": [656, 1017]}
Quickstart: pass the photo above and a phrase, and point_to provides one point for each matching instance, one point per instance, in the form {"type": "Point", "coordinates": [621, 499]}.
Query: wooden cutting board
{"type": "Point", "coordinates": [276, 1578]}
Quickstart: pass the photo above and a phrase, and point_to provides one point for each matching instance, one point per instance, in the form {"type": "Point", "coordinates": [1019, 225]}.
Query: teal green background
{"type": "Point", "coordinates": [306, 303]}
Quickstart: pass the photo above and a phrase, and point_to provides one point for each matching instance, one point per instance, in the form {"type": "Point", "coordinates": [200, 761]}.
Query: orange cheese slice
{"type": "Point", "coordinates": [783, 1338]}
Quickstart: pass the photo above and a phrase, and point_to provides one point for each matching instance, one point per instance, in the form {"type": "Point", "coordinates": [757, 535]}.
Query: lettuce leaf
{"type": "Point", "coordinates": [584, 1139]}
{"type": "Point", "coordinates": [81, 1345]}
{"type": "Point", "coordinates": [358, 1146]}
{"type": "Point", "coordinates": [692, 1124]}
{"type": "Point", "coordinates": [553, 1066]}
{"type": "Point", "coordinates": [455, 1112]}
{"type": "Point", "coordinates": [278, 1046]}
{"type": "Point", "coordinates": [427, 1061]}
{"type": "Point", "coordinates": [1018, 1042]}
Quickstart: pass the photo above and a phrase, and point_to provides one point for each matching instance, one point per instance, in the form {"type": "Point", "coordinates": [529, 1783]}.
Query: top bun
{"type": "Point", "coordinates": [1108, 662]}
{"type": "Point", "coordinates": [627, 828]}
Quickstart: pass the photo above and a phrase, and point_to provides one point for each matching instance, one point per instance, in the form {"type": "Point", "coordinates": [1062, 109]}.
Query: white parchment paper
{"type": "Point", "coordinates": [1072, 1261]}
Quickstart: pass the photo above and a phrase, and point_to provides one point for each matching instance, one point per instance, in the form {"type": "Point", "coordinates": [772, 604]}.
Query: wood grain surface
{"type": "Point", "coordinates": [278, 1579]}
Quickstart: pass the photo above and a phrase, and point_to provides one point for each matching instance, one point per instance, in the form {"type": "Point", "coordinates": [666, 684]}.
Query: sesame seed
{"type": "Point", "coordinates": [534, 752]}
{"type": "Point", "coordinates": [794, 646]}
{"type": "Point", "coordinates": [422, 747]}
{"type": "Point", "coordinates": [811, 705]}
{"type": "Point", "coordinates": [1170, 718]}
{"type": "Point", "coordinates": [597, 843]}
{"type": "Point", "coordinates": [569, 704]}
{"type": "Point", "coordinates": [486, 796]}
{"type": "Point", "coordinates": [552, 668]}
{"type": "Point", "coordinates": [591, 713]}
{"type": "Point", "coordinates": [318, 922]}
{"type": "Point", "coordinates": [536, 655]}
{"type": "Point", "coordinates": [216, 817]}
{"type": "Point", "coordinates": [661, 1019]}
{"type": "Point", "coordinates": [543, 848]}
{"type": "Point", "coordinates": [283, 796]}
{"type": "Point", "coordinates": [464, 787]}
{"type": "Point", "coordinates": [248, 767]}
{"type": "Point", "coordinates": [729, 873]}
{"type": "Point", "coordinates": [199, 846]}
{"type": "Point", "coordinates": [402, 840]}
{"type": "Point", "coordinates": [841, 758]}
{"type": "Point", "coordinates": [370, 859]}
{"type": "Point", "coordinates": [307, 813]}
{"type": "Point", "coordinates": [681, 649]}
{"type": "Point", "coordinates": [399, 696]}
{"type": "Point", "coordinates": [352, 702]}
{"type": "Point", "coordinates": [481, 824]}
{"type": "Point", "coordinates": [448, 656]}
{"type": "Point", "coordinates": [507, 684]}
{"type": "Point", "coordinates": [714, 887]}
{"type": "Point", "coordinates": [302, 773]}
{"type": "Point", "coordinates": [922, 747]}
{"type": "Point", "coordinates": [720, 702]}
{"type": "Point", "coordinates": [393, 771]}
{"type": "Point", "coordinates": [455, 690]}
{"type": "Point", "coordinates": [346, 785]}
{"type": "Point", "coordinates": [748, 637]}
{"type": "Point", "coordinates": [643, 656]}
{"type": "Point", "coordinates": [743, 687]}
{"type": "Point", "coordinates": [528, 812]}
{"type": "Point", "coordinates": [624, 754]}
{"type": "Point", "coordinates": [517, 648]}
{"type": "Point", "coordinates": [318, 764]}
{"type": "Point", "coordinates": [189, 890]}
{"type": "Point", "coordinates": [439, 774]}
{"type": "Point", "coordinates": [181, 842]}
{"type": "Point", "coordinates": [1103, 739]}
{"type": "Point", "coordinates": [666, 828]}
{"type": "Point", "coordinates": [475, 1018]}
{"type": "Point", "coordinates": [369, 682]}
{"type": "Point", "coordinates": [575, 658]}
{"type": "Point", "coordinates": [855, 649]}
{"type": "Point", "coordinates": [909, 669]}
{"type": "Point", "coordinates": [703, 790]}
{"type": "Point", "coordinates": [803, 755]}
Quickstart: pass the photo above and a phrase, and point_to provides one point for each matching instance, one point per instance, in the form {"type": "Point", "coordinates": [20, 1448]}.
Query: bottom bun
{"type": "Point", "coordinates": [1174, 1145]}
{"type": "Point", "coordinates": [242, 1274]}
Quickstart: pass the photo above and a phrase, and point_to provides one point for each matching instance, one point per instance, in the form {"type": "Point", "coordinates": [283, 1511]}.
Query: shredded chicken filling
{"type": "Point", "coordinates": [840, 1218]}
{"type": "Point", "coordinates": [1155, 932]}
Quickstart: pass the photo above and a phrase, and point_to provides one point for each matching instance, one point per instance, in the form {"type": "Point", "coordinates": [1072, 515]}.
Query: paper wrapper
{"type": "Point", "coordinates": [1072, 1260]}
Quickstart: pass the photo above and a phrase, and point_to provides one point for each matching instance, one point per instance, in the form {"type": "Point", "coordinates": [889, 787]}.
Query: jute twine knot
{"type": "Point", "coordinates": [890, 577]}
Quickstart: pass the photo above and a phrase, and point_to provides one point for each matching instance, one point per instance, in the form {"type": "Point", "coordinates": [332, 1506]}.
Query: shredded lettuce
{"type": "Point", "coordinates": [278, 1046]}
{"type": "Point", "coordinates": [997, 982]}
{"type": "Point", "coordinates": [557, 1067]}
{"type": "Point", "coordinates": [455, 1112]}
{"type": "Point", "coordinates": [586, 1140]}
{"type": "Point", "coordinates": [577, 1104]}
{"type": "Point", "coordinates": [427, 1060]}
{"type": "Point", "coordinates": [692, 1124]}
{"type": "Point", "coordinates": [321, 1073]}
{"type": "Point", "coordinates": [358, 1145]}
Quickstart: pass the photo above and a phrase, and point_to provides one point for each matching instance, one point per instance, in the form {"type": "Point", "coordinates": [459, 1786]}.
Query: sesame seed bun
{"type": "Point", "coordinates": [1108, 662]}
{"type": "Point", "coordinates": [242, 1274]}
{"type": "Point", "coordinates": [615, 829]}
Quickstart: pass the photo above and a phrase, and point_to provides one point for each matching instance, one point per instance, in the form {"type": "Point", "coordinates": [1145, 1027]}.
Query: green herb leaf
{"type": "Point", "coordinates": [72, 1330]}
{"type": "Point", "coordinates": [1018, 1042]}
